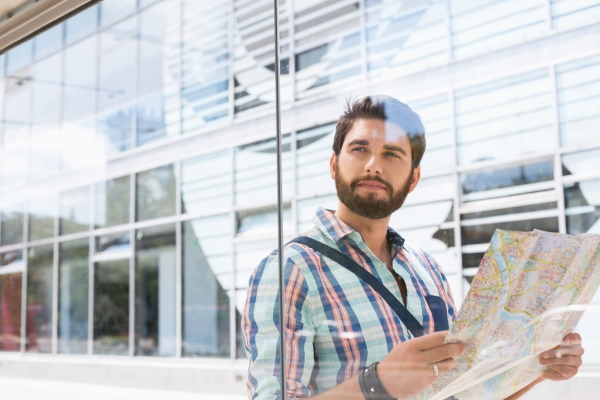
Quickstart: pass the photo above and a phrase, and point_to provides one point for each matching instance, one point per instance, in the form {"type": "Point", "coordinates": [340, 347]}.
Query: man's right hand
{"type": "Point", "coordinates": [408, 369]}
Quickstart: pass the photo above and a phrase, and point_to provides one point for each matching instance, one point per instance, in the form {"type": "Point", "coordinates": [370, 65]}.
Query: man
{"type": "Point", "coordinates": [343, 340]}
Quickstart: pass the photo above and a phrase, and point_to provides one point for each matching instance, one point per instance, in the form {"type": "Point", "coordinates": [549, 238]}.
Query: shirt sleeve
{"type": "Point", "coordinates": [260, 327]}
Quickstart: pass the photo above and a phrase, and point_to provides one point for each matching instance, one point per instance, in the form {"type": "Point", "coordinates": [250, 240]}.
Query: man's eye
{"type": "Point", "coordinates": [391, 154]}
{"type": "Point", "coordinates": [362, 149]}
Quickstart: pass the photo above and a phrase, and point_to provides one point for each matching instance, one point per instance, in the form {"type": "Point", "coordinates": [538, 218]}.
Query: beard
{"type": "Point", "coordinates": [370, 206]}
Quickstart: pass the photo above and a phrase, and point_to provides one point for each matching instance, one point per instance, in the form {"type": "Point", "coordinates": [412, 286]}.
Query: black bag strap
{"type": "Point", "coordinates": [405, 316]}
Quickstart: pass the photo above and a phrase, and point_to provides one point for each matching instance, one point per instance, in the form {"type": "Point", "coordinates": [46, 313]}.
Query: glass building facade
{"type": "Point", "coordinates": [138, 157]}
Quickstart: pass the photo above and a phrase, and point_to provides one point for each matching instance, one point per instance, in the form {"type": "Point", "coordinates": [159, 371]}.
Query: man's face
{"type": "Point", "coordinates": [373, 173]}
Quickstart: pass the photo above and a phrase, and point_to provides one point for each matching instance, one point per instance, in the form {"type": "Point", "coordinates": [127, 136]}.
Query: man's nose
{"type": "Point", "coordinates": [373, 166]}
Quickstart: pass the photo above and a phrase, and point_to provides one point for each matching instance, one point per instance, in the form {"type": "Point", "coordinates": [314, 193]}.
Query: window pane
{"type": "Point", "coordinates": [19, 57]}
{"type": "Point", "coordinates": [436, 114]}
{"type": "Point", "coordinates": [41, 218]}
{"type": "Point", "coordinates": [10, 312]}
{"type": "Point", "coordinates": [582, 201]}
{"type": "Point", "coordinates": [39, 299]}
{"type": "Point", "coordinates": [80, 89]}
{"type": "Point", "coordinates": [48, 42]}
{"type": "Point", "coordinates": [582, 162]}
{"type": "Point", "coordinates": [207, 284]}
{"type": "Point", "coordinates": [578, 86]}
{"type": "Point", "coordinates": [11, 224]}
{"type": "Point", "coordinates": [155, 291]}
{"type": "Point", "coordinates": [507, 181]}
{"type": "Point", "coordinates": [505, 119]}
{"type": "Point", "coordinates": [206, 183]}
{"type": "Point", "coordinates": [406, 38]}
{"type": "Point", "coordinates": [113, 10]}
{"type": "Point", "coordinates": [111, 307]}
{"type": "Point", "coordinates": [81, 25]}
{"type": "Point", "coordinates": [75, 211]}
{"type": "Point", "coordinates": [113, 242]}
{"type": "Point", "coordinates": [256, 172]}
{"type": "Point", "coordinates": [112, 202]}
{"type": "Point", "coordinates": [206, 62]}
{"type": "Point", "coordinates": [155, 193]}
{"type": "Point", "coordinates": [314, 152]}
{"type": "Point", "coordinates": [150, 120]}
{"type": "Point", "coordinates": [73, 297]}
{"type": "Point", "coordinates": [482, 233]}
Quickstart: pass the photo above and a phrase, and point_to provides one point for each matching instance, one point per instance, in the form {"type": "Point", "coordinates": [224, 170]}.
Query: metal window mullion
{"type": "Point", "coordinates": [558, 180]}
{"type": "Point", "coordinates": [290, 5]}
{"type": "Point", "coordinates": [362, 10]}
{"type": "Point", "coordinates": [294, 197]}
{"type": "Point", "coordinates": [178, 263]}
{"type": "Point", "coordinates": [548, 16]}
{"type": "Point", "coordinates": [23, 333]}
{"type": "Point", "coordinates": [231, 61]}
{"type": "Point", "coordinates": [233, 291]}
{"type": "Point", "coordinates": [90, 319]}
{"type": "Point", "coordinates": [136, 66]}
{"type": "Point", "coordinates": [55, 274]}
{"type": "Point", "coordinates": [448, 20]}
{"type": "Point", "coordinates": [279, 141]}
{"type": "Point", "coordinates": [132, 236]}
{"type": "Point", "coordinates": [457, 190]}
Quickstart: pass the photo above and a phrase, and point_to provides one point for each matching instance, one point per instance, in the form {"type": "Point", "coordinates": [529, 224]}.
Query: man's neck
{"type": "Point", "coordinates": [373, 231]}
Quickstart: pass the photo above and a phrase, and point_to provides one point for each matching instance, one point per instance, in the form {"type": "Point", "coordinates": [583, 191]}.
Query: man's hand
{"type": "Point", "coordinates": [409, 368]}
{"type": "Point", "coordinates": [564, 360]}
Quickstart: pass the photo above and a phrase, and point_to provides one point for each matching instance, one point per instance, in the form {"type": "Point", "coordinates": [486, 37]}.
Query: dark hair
{"type": "Point", "coordinates": [383, 108]}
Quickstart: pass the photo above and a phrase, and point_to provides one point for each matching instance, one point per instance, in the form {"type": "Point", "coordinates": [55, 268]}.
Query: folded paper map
{"type": "Point", "coordinates": [530, 291]}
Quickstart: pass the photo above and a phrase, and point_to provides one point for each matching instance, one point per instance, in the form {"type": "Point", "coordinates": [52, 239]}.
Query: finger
{"type": "Point", "coordinates": [430, 341]}
{"type": "Point", "coordinates": [566, 371]}
{"type": "Point", "coordinates": [562, 351]}
{"type": "Point", "coordinates": [444, 365]}
{"type": "Point", "coordinates": [572, 339]}
{"type": "Point", "coordinates": [443, 352]}
{"type": "Point", "coordinates": [573, 361]}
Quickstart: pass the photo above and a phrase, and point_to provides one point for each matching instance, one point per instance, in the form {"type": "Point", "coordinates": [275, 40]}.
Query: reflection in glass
{"type": "Point", "coordinates": [112, 202]}
{"type": "Point", "coordinates": [155, 193]}
{"type": "Point", "coordinates": [81, 24]}
{"type": "Point", "coordinates": [80, 80]}
{"type": "Point", "coordinates": [307, 209]}
{"type": "Point", "coordinates": [113, 10]}
{"type": "Point", "coordinates": [115, 130]}
{"type": "Point", "coordinates": [505, 119]}
{"type": "Point", "coordinates": [477, 28]}
{"type": "Point", "coordinates": [522, 175]}
{"type": "Point", "coordinates": [436, 114]}
{"type": "Point", "coordinates": [206, 62]}
{"type": "Point", "coordinates": [581, 162]}
{"type": "Point", "coordinates": [10, 312]}
{"type": "Point", "coordinates": [41, 218]}
{"type": "Point", "coordinates": [39, 299]}
{"type": "Point", "coordinates": [155, 291]}
{"type": "Point", "coordinates": [482, 233]}
{"type": "Point", "coordinates": [569, 14]}
{"type": "Point", "coordinates": [578, 90]}
{"type": "Point", "coordinates": [111, 307]}
{"type": "Point", "coordinates": [12, 258]}
{"type": "Point", "coordinates": [73, 297]}
{"type": "Point", "coordinates": [19, 57]}
{"type": "Point", "coordinates": [11, 225]}
{"type": "Point", "coordinates": [113, 242]}
{"type": "Point", "coordinates": [582, 202]}
{"type": "Point", "coordinates": [256, 173]}
{"type": "Point", "coordinates": [313, 154]}
{"type": "Point", "coordinates": [75, 210]}
{"type": "Point", "coordinates": [509, 210]}
{"type": "Point", "coordinates": [206, 183]}
{"type": "Point", "coordinates": [405, 36]}
{"type": "Point", "coordinates": [261, 220]}
{"type": "Point", "coordinates": [150, 120]}
{"type": "Point", "coordinates": [207, 280]}
{"type": "Point", "coordinates": [48, 42]}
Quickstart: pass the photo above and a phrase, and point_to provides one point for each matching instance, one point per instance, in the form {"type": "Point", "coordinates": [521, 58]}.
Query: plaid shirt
{"type": "Point", "coordinates": [335, 323]}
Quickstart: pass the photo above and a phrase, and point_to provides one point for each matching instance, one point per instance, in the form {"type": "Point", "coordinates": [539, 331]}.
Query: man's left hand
{"type": "Point", "coordinates": [564, 360]}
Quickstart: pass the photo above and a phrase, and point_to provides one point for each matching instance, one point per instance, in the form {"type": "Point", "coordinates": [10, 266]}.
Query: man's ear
{"type": "Point", "coordinates": [415, 178]}
{"type": "Point", "coordinates": [332, 166]}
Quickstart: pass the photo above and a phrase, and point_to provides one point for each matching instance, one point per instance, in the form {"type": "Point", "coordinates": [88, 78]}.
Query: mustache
{"type": "Point", "coordinates": [356, 181]}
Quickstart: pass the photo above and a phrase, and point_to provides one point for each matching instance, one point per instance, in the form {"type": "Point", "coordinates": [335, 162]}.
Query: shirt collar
{"type": "Point", "coordinates": [336, 229]}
